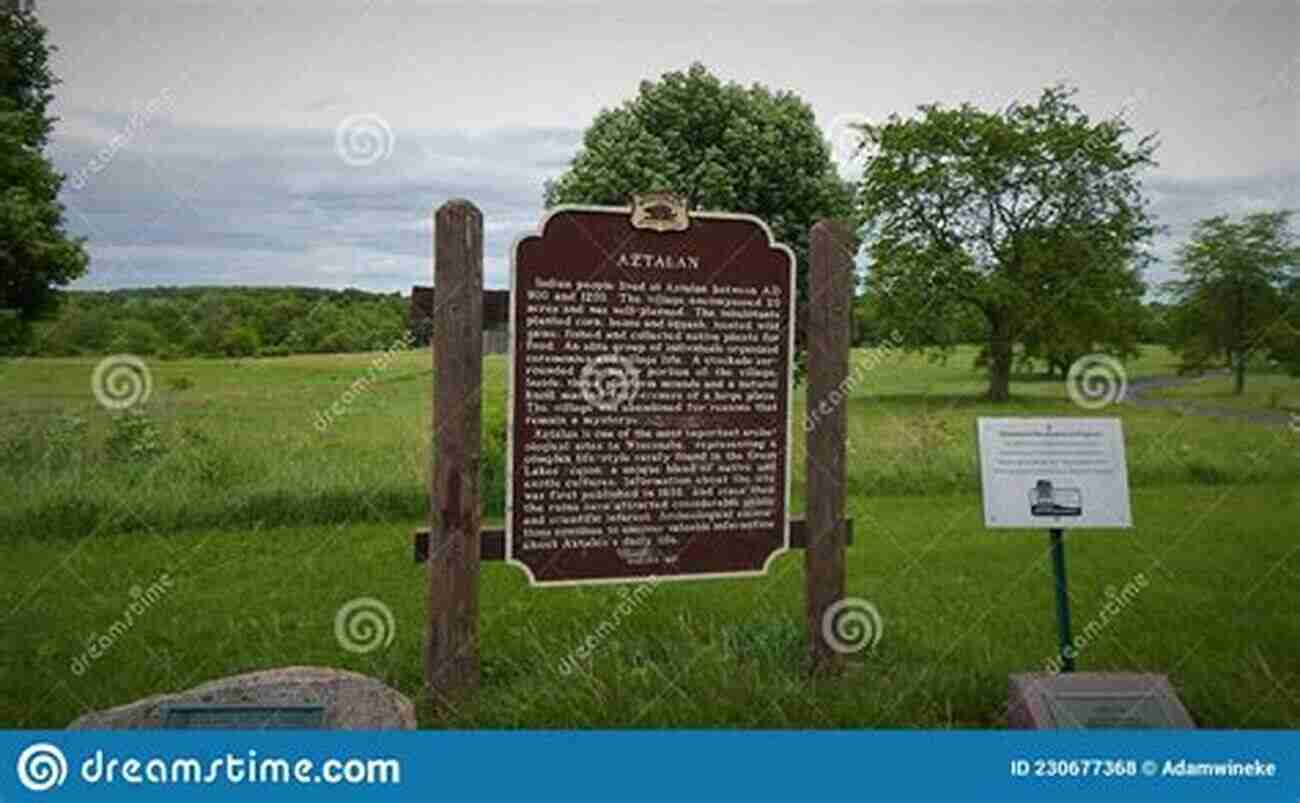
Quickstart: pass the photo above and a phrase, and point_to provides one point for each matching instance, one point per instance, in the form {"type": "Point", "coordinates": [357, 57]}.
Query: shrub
{"type": "Point", "coordinates": [64, 437]}
{"type": "Point", "coordinates": [492, 474]}
{"type": "Point", "coordinates": [17, 448]}
{"type": "Point", "coordinates": [240, 341]}
{"type": "Point", "coordinates": [134, 437]}
{"type": "Point", "coordinates": [203, 460]}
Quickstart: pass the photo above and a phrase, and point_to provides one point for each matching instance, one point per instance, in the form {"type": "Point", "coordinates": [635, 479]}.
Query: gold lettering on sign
{"type": "Point", "coordinates": [659, 261]}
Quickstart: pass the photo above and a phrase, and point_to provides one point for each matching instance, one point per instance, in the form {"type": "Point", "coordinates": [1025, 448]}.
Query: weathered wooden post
{"type": "Point", "coordinates": [830, 295]}
{"type": "Point", "coordinates": [451, 659]}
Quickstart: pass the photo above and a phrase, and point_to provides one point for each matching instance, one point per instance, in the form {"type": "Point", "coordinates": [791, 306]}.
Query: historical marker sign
{"type": "Point", "coordinates": [244, 717]}
{"type": "Point", "coordinates": [1092, 700]}
{"type": "Point", "coordinates": [1053, 473]}
{"type": "Point", "coordinates": [650, 395]}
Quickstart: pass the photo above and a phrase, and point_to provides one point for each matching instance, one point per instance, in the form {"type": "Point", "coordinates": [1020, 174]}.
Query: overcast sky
{"type": "Point", "coordinates": [202, 138]}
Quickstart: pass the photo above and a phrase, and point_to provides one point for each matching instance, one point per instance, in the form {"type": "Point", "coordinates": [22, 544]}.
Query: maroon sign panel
{"type": "Point", "coordinates": [650, 396]}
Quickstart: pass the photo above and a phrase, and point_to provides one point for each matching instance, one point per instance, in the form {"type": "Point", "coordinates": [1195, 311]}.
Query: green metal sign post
{"type": "Point", "coordinates": [1062, 599]}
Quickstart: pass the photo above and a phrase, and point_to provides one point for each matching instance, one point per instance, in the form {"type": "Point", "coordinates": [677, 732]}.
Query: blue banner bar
{"type": "Point", "coordinates": [650, 765]}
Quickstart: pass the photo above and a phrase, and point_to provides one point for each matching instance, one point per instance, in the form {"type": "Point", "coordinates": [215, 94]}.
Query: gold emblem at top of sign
{"type": "Point", "coordinates": [660, 211]}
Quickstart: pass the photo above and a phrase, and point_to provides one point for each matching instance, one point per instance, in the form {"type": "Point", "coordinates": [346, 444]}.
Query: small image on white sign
{"type": "Point", "coordinates": [1050, 473]}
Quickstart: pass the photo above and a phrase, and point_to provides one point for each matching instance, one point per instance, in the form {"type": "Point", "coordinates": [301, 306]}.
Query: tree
{"type": "Point", "coordinates": [721, 146]}
{"type": "Point", "coordinates": [36, 255]}
{"type": "Point", "coordinates": [240, 341]}
{"type": "Point", "coordinates": [1019, 216]}
{"type": "Point", "coordinates": [280, 318]}
{"type": "Point", "coordinates": [1287, 348]}
{"type": "Point", "coordinates": [1103, 306]}
{"type": "Point", "coordinates": [135, 336]}
{"type": "Point", "coordinates": [1232, 296]}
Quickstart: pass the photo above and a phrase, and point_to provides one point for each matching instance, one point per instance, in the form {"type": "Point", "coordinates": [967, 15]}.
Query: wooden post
{"type": "Point", "coordinates": [451, 660]}
{"type": "Point", "coordinates": [830, 297]}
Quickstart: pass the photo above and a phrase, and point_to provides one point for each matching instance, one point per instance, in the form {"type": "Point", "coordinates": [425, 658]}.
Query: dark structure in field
{"type": "Point", "coordinates": [496, 317]}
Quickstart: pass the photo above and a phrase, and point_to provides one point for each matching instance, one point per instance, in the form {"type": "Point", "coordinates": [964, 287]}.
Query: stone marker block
{"type": "Point", "coordinates": [1078, 700]}
{"type": "Point", "coordinates": [351, 701]}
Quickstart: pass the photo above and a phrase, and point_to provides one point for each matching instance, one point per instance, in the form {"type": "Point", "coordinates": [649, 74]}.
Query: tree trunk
{"type": "Point", "coordinates": [1239, 371]}
{"type": "Point", "coordinates": [1000, 355]}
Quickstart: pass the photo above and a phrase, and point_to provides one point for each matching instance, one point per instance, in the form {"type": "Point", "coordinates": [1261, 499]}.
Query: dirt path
{"type": "Point", "coordinates": [1137, 388]}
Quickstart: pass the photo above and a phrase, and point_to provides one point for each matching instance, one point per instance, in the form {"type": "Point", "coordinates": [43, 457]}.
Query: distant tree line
{"type": "Point", "coordinates": [174, 322]}
{"type": "Point", "coordinates": [1022, 229]}
{"type": "Point", "coordinates": [1149, 323]}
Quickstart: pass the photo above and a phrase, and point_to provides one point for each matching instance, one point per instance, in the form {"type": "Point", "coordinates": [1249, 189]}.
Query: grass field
{"type": "Point", "coordinates": [266, 523]}
{"type": "Point", "coordinates": [1262, 392]}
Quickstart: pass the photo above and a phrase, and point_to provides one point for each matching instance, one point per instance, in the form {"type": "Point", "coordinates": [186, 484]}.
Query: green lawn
{"type": "Point", "coordinates": [1262, 392]}
{"type": "Point", "coordinates": [240, 448]}
{"type": "Point", "coordinates": [962, 608]}
{"type": "Point", "coordinates": [267, 525]}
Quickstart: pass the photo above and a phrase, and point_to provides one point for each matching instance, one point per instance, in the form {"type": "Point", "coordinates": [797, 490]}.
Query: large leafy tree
{"type": "Point", "coordinates": [1235, 290]}
{"type": "Point", "coordinates": [1031, 217]}
{"type": "Point", "coordinates": [36, 253]}
{"type": "Point", "coordinates": [1104, 306]}
{"type": "Point", "coordinates": [1286, 349]}
{"type": "Point", "coordinates": [722, 146]}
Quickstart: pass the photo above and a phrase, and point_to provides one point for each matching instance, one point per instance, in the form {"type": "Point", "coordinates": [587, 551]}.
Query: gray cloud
{"type": "Point", "coordinates": [1179, 202]}
{"type": "Point", "coordinates": [233, 177]}
{"type": "Point", "coordinates": [183, 205]}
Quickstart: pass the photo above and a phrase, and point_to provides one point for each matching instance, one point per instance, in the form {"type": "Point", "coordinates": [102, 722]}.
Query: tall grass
{"type": "Point", "coordinates": [236, 444]}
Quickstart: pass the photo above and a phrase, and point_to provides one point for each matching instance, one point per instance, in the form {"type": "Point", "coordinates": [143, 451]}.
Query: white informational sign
{"type": "Point", "coordinates": [1050, 473]}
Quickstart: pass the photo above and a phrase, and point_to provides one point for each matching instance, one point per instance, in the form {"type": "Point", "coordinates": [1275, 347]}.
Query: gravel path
{"type": "Point", "coordinates": [1137, 388]}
